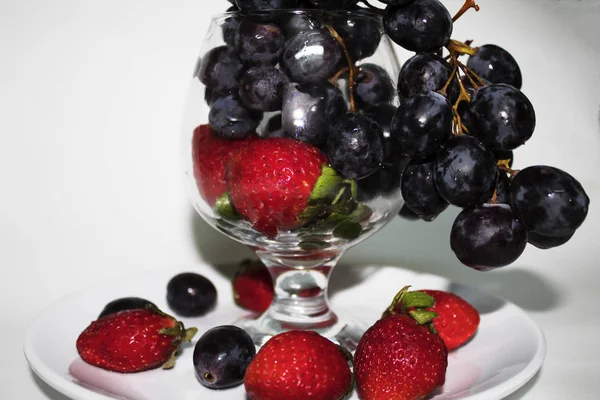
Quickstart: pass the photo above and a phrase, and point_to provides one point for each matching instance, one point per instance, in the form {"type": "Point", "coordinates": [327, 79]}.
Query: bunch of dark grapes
{"type": "Point", "coordinates": [442, 133]}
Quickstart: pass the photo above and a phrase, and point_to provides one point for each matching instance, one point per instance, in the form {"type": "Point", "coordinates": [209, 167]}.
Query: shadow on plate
{"type": "Point", "coordinates": [524, 391]}
{"type": "Point", "coordinates": [414, 245]}
{"type": "Point", "coordinates": [49, 392]}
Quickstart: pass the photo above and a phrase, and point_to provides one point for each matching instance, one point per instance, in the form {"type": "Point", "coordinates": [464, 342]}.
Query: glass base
{"type": "Point", "coordinates": [344, 333]}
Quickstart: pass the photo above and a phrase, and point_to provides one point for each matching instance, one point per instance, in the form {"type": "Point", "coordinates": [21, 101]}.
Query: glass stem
{"type": "Point", "coordinates": [300, 283]}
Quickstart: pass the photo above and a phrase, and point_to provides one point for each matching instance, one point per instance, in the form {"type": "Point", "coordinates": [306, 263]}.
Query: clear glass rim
{"type": "Point", "coordinates": [362, 13]}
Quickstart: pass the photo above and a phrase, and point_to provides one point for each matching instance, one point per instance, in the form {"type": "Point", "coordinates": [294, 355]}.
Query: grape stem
{"type": "Point", "coordinates": [466, 7]}
{"type": "Point", "coordinates": [503, 165]}
{"type": "Point", "coordinates": [351, 67]}
{"type": "Point", "coordinates": [471, 74]}
{"type": "Point", "coordinates": [457, 48]}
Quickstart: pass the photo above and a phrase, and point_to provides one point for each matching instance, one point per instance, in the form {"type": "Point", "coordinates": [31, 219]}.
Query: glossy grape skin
{"type": "Point", "coordinates": [408, 214]}
{"type": "Point", "coordinates": [496, 65]}
{"type": "Point", "coordinates": [310, 110]}
{"type": "Point", "coordinates": [422, 124]}
{"type": "Point", "coordinates": [501, 116]}
{"type": "Point", "coordinates": [190, 294]}
{"type": "Point", "coordinates": [311, 56]}
{"type": "Point", "coordinates": [383, 182]}
{"type": "Point", "coordinates": [488, 236]}
{"type": "Point", "coordinates": [333, 4]}
{"type": "Point", "coordinates": [230, 119]}
{"type": "Point", "coordinates": [465, 171]}
{"type": "Point", "coordinates": [361, 35]}
{"type": "Point", "coordinates": [264, 5]}
{"type": "Point", "coordinates": [230, 26]}
{"type": "Point", "coordinates": [261, 88]}
{"type": "Point", "coordinates": [420, 193]}
{"type": "Point", "coordinates": [222, 355]}
{"type": "Point", "coordinates": [258, 43]}
{"type": "Point", "coordinates": [420, 26]}
{"type": "Point", "coordinates": [125, 303]}
{"type": "Point", "coordinates": [373, 86]}
{"type": "Point", "coordinates": [426, 72]}
{"type": "Point", "coordinates": [396, 2]}
{"type": "Point", "coordinates": [383, 114]}
{"type": "Point", "coordinates": [355, 146]}
{"type": "Point", "coordinates": [548, 200]}
{"type": "Point", "coordinates": [220, 69]}
{"type": "Point", "coordinates": [547, 242]}
{"type": "Point", "coordinates": [296, 23]}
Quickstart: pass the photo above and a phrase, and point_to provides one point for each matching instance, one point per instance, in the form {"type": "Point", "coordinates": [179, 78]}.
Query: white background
{"type": "Point", "coordinates": [91, 189]}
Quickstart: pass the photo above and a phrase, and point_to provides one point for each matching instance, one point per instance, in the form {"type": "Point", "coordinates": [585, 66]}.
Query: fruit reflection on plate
{"type": "Point", "coordinates": [495, 363]}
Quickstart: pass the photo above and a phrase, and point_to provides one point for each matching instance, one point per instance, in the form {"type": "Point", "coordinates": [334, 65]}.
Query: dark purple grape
{"type": "Point", "coordinates": [296, 23]}
{"type": "Point", "coordinates": [258, 43]}
{"type": "Point", "coordinates": [311, 56]}
{"type": "Point", "coordinates": [310, 110]}
{"type": "Point", "coordinates": [408, 214]}
{"type": "Point", "coordinates": [231, 120]}
{"type": "Point", "coordinates": [501, 116]}
{"type": "Point", "coordinates": [125, 303]}
{"type": "Point", "coordinates": [221, 356]}
{"type": "Point", "coordinates": [547, 242]}
{"type": "Point", "coordinates": [420, 26]}
{"type": "Point", "coordinates": [496, 65]}
{"type": "Point", "coordinates": [420, 193]}
{"type": "Point", "coordinates": [261, 88]}
{"type": "Point", "coordinates": [488, 236]}
{"type": "Point", "coordinates": [503, 188]}
{"type": "Point", "coordinates": [383, 182]}
{"type": "Point", "coordinates": [355, 146]}
{"type": "Point", "coordinates": [333, 4]}
{"type": "Point", "coordinates": [396, 2]}
{"type": "Point", "coordinates": [465, 171]}
{"type": "Point", "coordinates": [248, 6]}
{"type": "Point", "coordinates": [548, 200]}
{"type": "Point", "coordinates": [422, 124]}
{"type": "Point", "coordinates": [220, 69]}
{"type": "Point", "coordinates": [424, 73]}
{"type": "Point", "coordinates": [361, 34]}
{"type": "Point", "coordinates": [191, 295]}
{"type": "Point", "coordinates": [373, 86]}
{"type": "Point", "coordinates": [230, 27]}
{"type": "Point", "coordinates": [383, 115]}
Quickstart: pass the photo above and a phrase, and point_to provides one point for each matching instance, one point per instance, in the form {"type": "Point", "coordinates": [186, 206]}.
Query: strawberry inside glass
{"type": "Point", "coordinates": [288, 151]}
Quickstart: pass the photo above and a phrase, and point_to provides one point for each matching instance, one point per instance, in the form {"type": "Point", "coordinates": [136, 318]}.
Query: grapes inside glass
{"type": "Point", "coordinates": [286, 149]}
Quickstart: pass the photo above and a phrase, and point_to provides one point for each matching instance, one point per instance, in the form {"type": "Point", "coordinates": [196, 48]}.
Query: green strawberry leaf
{"type": "Point", "coordinates": [326, 187]}
{"type": "Point", "coordinates": [417, 299]}
{"type": "Point", "coordinates": [348, 230]}
{"type": "Point", "coordinates": [422, 316]}
{"type": "Point", "coordinates": [225, 209]}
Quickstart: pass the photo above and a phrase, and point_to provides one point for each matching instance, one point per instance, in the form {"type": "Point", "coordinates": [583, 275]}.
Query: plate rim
{"type": "Point", "coordinates": [69, 388]}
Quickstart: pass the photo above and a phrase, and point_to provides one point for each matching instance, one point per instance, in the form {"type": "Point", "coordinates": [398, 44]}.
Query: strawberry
{"type": "Point", "coordinates": [133, 340]}
{"type": "Point", "coordinates": [298, 365]}
{"type": "Point", "coordinates": [399, 358]}
{"type": "Point", "coordinates": [210, 154]}
{"type": "Point", "coordinates": [270, 181]}
{"type": "Point", "coordinates": [457, 320]}
{"type": "Point", "coordinates": [253, 286]}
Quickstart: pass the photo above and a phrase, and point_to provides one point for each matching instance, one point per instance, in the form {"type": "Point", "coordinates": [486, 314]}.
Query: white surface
{"type": "Point", "coordinates": [493, 364]}
{"type": "Point", "coordinates": [91, 99]}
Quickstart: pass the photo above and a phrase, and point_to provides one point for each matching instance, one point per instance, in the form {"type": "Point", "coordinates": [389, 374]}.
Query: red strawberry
{"type": "Point", "coordinates": [398, 358]}
{"type": "Point", "coordinates": [210, 154]}
{"type": "Point", "coordinates": [270, 181]}
{"type": "Point", "coordinates": [133, 340]}
{"type": "Point", "coordinates": [298, 365]}
{"type": "Point", "coordinates": [457, 320]}
{"type": "Point", "coordinates": [253, 286]}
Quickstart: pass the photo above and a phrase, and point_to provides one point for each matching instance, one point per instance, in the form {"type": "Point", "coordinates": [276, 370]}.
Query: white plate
{"type": "Point", "coordinates": [506, 352]}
